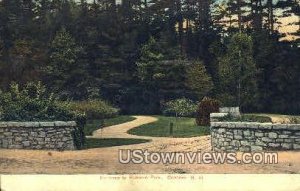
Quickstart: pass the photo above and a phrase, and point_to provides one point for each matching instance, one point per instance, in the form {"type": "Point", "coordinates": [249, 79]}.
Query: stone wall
{"type": "Point", "coordinates": [252, 136]}
{"type": "Point", "coordinates": [37, 135]}
{"type": "Point", "coordinates": [215, 117]}
{"type": "Point", "coordinates": [234, 111]}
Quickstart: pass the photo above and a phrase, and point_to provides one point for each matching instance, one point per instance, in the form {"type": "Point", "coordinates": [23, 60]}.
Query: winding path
{"type": "Point", "coordinates": [120, 130]}
{"type": "Point", "coordinates": [157, 143]}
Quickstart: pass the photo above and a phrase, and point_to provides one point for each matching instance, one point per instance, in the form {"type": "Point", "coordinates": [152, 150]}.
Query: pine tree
{"type": "Point", "coordinates": [238, 72]}
{"type": "Point", "coordinates": [64, 73]}
{"type": "Point", "coordinates": [198, 79]}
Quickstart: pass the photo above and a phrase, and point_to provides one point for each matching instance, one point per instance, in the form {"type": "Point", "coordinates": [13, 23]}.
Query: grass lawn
{"type": "Point", "coordinates": [93, 125]}
{"type": "Point", "coordinates": [281, 118]}
{"type": "Point", "coordinates": [99, 143]}
{"type": "Point", "coordinates": [183, 127]}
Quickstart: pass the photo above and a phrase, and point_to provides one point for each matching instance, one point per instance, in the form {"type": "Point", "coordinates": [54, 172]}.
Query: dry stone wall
{"type": "Point", "coordinates": [252, 136]}
{"type": "Point", "coordinates": [37, 135]}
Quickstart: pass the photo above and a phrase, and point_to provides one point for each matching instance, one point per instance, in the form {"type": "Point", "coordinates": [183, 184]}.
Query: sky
{"type": "Point", "coordinates": [289, 29]}
{"type": "Point", "coordinates": [284, 29]}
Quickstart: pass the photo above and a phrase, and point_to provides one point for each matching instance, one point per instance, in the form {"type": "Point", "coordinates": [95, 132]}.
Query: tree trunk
{"type": "Point", "coordinates": [239, 15]}
{"type": "Point", "coordinates": [271, 16]}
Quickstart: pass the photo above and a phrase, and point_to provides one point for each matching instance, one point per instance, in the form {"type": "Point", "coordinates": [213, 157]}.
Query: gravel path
{"type": "Point", "coordinates": [167, 144]}
{"type": "Point", "coordinates": [105, 160]}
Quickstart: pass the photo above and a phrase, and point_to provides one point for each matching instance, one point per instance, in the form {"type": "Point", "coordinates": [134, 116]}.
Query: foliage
{"type": "Point", "coordinates": [64, 52]}
{"type": "Point", "coordinates": [160, 76]}
{"type": "Point", "coordinates": [152, 53]}
{"type": "Point", "coordinates": [180, 108]}
{"type": "Point", "coordinates": [149, 54]}
{"type": "Point", "coordinates": [198, 79]}
{"type": "Point", "coordinates": [205, 107]}
{"type": "Point", "coordinates": [94, 109]}
{"type": "Point", "coordinates": [69, 46]}
{"type": "Point", "coordinates": [238, 71]}
{"type": "Point", "coordinates": [64, 73]}
{"type": "Point", "coordinates": [33, 103]}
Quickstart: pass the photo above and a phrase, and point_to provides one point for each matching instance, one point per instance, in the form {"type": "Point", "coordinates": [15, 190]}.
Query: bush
{"type": "Point", "coordinates": [32, 103]}
{"type": "Point", "coordinates": [95, 109]}
{"type": "Point", "coordinates": [206, 106]}
{"type": "Point", "coordinates": [180, 108]}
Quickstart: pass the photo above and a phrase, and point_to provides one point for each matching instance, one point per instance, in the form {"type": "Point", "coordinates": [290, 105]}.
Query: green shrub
{"type": "Point", "coordinates": [33, 103]}
{"type": "Point", "coordinates": [206, 106]}
{"type": "Point", "coordinates": [95, 109]}
{"type": "Point", "coordinates": [180, 108]}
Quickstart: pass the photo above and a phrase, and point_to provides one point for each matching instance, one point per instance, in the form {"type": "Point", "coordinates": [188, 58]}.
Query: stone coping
{"type": "Point", "coordinates": [255, 125]}
{"type": "Point", "coordinates": [218, 115]}
{"type": "Point", "coordinates": [38, 124]}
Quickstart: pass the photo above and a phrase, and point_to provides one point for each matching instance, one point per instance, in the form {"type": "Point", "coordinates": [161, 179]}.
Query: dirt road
{"type": "Point", "coordinates": [105, 160]}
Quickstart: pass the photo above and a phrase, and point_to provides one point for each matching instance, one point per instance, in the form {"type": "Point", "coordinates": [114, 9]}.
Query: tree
{"type": "Point", "coordinates": [23, 61]}
{"type": "Point", "coordinates": [64, 52]}
{"type": "Point", "coordinates": [153, 54]}
{"type": "Point", "coordinates": [198, 80]}
{"type": "Point", "coordinates": [238, 72]}
{"type": "Point", "coordinates": [137, 52]}
{"type": "Point", "coordinates": [161, 76]}
{"type": "Point", "coordinates": [65, 74]}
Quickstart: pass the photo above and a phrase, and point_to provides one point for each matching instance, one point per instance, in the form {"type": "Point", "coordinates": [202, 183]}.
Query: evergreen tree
{"type": "Point", "coordinates": [198, 79]}
{"type": "Point", "coordinates": [238, 72]}
{"type": "Point", "coordinates": [65, 74]}
{"type": "Point", "coordinates": [106, 39]}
